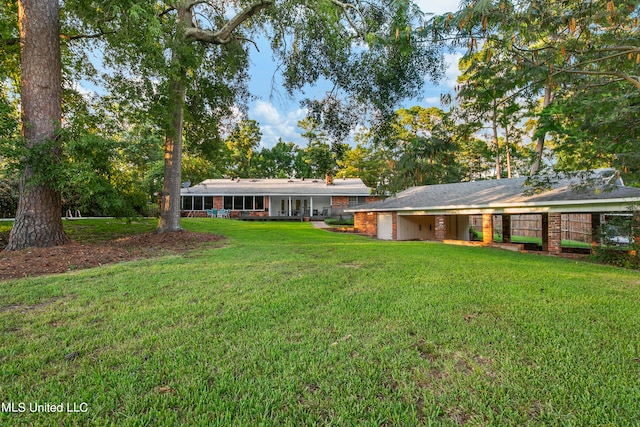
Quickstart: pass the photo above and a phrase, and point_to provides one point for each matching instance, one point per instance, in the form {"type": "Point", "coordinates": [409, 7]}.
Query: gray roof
{"type": "Point", "coordinates": [507, 196]}
{"type": "Point", "coordinates": [279, 187]}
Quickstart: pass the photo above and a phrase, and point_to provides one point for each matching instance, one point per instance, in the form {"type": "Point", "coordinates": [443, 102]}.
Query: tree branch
{"type": "Point", "coordinates": [86, 36]}
{"type": "Point", "coordinates": [345, 7]}
{"type": "Point", "coordinates": [626, 77]}
{"type": "Point", "coordinates": [166, 11]}
{"type": "Point", "coordinates": [223, 35]}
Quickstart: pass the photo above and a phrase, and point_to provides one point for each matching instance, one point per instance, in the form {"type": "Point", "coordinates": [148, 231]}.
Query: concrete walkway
{"type": "Point", "coordinates": [320, 224]}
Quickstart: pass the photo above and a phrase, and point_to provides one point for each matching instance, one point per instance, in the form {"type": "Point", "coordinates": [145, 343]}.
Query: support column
{"type": "Point", "coordinates": [311, 206]}
{"type": "Point", "coordinates": [555, 234]}
{"type": "Point", "coordinates": [506, 228]}
{"type": "Point", "coordinates": [441, 227]}
{"type": "Point", "coordinates": [487, 229]}
{"type": "Point", "coordinates": [289, 207]}
{"type": "Point", "coordinates": [595, 231]}
{"type": "Point", "coordinates": [545, 232]}
{"type": "Point", "coordinates": [394, 226]}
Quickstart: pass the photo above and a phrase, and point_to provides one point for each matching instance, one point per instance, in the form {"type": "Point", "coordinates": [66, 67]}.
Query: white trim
{"type": "Point", "coordinates": [564, 206]}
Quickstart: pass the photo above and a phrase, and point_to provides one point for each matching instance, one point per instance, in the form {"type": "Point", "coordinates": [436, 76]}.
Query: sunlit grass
{"type": "Point", "coordinates": [288, 325]}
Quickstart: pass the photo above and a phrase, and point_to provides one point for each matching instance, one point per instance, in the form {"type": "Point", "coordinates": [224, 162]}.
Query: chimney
{"type": "Point", "coordinates": [328, 179]}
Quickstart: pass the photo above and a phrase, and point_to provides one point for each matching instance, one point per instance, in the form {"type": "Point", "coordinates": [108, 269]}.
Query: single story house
{"type": "Point", "coordinates": [275, 198]}
{"type": "Point", "coordinates": [442, 212]}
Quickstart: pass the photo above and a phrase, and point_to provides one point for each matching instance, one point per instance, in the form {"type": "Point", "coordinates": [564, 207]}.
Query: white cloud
{"type": "Point", "coordinates": [438, 6]}
{"type": "Point", "coordinates": [433, 100]}
{"type": "Point", "coordinates": [266, 111]}
{"type": "Point", "coordinates": [451, 76]}
{"type": "Point", "coordinates": [275, 125]}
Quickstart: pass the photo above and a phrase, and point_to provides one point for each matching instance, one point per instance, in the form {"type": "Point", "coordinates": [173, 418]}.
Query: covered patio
{"type": "Point", "coordinates": [275, 199]}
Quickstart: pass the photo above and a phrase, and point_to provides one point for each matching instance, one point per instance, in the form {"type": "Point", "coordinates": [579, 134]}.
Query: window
{"type": "Point", "coordinates": [237, 203]}
{"type": "Point", "coordinates": [248, 203]}
{"type": "Point", "coordinates": [187, 203]}
{"type": "Point", "coordinates": [259, 203]}
{"type": "Point", "coordinates": [197, 203]}
{"type": "Point", "coordinates": [357, 200]}
{"type": "Point", "coordinates": [243, 203]}
{"type": "Point", "coordinates": [208, 202]}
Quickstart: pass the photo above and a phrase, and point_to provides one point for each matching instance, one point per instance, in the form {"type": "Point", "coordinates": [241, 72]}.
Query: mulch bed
{"type": "Point", "coordinates": [76, 256]}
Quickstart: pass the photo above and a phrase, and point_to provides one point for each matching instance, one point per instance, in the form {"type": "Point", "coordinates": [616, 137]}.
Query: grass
{"type": "Point", "coordinates": [96, 231]}
{"type": "Point", "coordinates": [288, 325]}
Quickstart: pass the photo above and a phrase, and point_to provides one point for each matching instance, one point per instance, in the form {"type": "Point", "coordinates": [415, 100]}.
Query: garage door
{"type": "Point", "coordinates": [385, 222]}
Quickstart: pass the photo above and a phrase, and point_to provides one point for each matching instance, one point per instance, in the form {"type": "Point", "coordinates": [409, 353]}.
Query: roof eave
{"type": "Point", "coordinates": [565, 206]}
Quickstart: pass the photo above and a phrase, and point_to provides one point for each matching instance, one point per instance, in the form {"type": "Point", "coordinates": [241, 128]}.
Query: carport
{"type": "Point", "coordinates": [442, 212]}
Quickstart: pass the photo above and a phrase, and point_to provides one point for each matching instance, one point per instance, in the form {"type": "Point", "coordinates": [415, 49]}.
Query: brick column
{"type": "Point", "coordinates": [595, 231]}
{"type": "Point", "coordinates": [394, 226]}
{"type": "Point", "coordinates": [487, 228]}
{"type": "Point", "coordinates": [217, 202]}
{"type": "Point", "coordinates": [441, 227]}
{"type": "Point", "coordinates": [555, 234]}
{"type": "Point", "coordinates": [506, 228]}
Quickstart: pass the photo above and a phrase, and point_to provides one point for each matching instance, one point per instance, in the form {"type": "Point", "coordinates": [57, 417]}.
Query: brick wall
{"type": "Point", "coordinates": [366, 223]}
{"type": "Point", "coordinates": [217, 202]}
{"type": "Point", "coordinates": [555, 233]}
{"type": "Point", "coordinates": [339, 204]}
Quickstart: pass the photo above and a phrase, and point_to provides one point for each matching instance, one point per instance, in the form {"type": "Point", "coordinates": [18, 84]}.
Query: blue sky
{"type": "Point", "coordinates": [278, 114]}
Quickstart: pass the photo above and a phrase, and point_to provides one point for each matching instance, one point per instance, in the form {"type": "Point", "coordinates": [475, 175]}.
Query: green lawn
{"type": "Point", "coordinates": [289, 325]}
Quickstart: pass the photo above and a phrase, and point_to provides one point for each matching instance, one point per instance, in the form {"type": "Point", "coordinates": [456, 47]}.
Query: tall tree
{"type": "Point", "coordinates": [39, 216]}
{"type": "Point", "coordinates": [277, 162]}
{"type": "Point", "coordinates": [363, 162]}
{"type": "Point", "coordinates": [242, 142]}
{"type": "Point", "coordinates": [363, 47]}
{"type": "Point", "coordinates": [561, 48]}
{"type": "Point", "coordinates": [486, 98]}
{"type": "Point", "coordinates": [421, 149]}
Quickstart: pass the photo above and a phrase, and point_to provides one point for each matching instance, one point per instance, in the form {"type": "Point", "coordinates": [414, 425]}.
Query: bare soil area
{"type": "Point", "coordinates": [75, 256]}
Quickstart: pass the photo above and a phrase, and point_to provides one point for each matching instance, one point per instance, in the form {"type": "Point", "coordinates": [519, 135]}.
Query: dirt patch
{"type": "Point", "coordinates": [76, 256]}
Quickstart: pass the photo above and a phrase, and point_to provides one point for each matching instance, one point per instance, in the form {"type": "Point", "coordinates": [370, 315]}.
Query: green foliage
{"type": "Point", "coordinates": [584, 54]}
{"type": "Point", "coordinates": [94, 184]}
{"type": "Point", "coordinates": [363, 162]}
{"type": "Point", "coordinates": [320, 158]}
{"type": "Point", "coordinates": [9, 115]}
{"type": "Point", "coordinates": [617, 240]}
{"type": "Point", "coordinates": [420, 149]}
{"type": "Point", "coordinates": [242, 142]}
{"type": "Point", "coordinates": [596, 127]}
{"type": "Point", "coordinates": [8, 197]}
{"type": "Point", "coordinates": [277, 162]}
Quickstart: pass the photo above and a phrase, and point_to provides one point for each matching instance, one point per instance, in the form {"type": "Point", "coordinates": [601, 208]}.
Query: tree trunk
{"type": "Point", "coordinates": [548, 96]}
{"type": "Point", "coordinates": [39, 216]}
{"type": "Point", "coordinates": [507, 150]}
{"type": "Point", "coordinates": [170, 199]}
{"type": "Point", "coordinates": [496, 141]}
